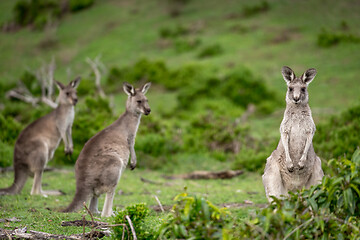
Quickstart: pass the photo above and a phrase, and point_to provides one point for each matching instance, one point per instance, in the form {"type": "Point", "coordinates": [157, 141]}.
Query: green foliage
{"type": "Point", "coordinates": [237, 86]}
{"type": "Point", "coordinates": [186, 45]}
{"type": "Point", "coordinates": [78, 5]}
{"type": "Point", "coordinates": [338, 135]}
{"type": "Point", "coordinates": [6, 154]}
{"type": "Point", "coordinates": [329, 210]}
{"type": "Point", "coordinates": [138, 214]}
{"type": "Point", "coordinates": [152, 71]}
{"type": "Point", "coordinates": [174, 32]}
{"type": "Point", "coordinates": [31, 83]}
{"type": "Point", "coordinates": [194, 217]}
{"type": "Point", "coordinates": [327, 38]}
{"type": "Point", "coordinates": [86, 88]}
{"type": "Point", "coordinates": [10, 129]}
{"type": "Point", "coordinates": [211, 51]}
{"type": "Point", "coordinates": [249, 11]}
{"type": "Point", "coordinates": [36, 12]}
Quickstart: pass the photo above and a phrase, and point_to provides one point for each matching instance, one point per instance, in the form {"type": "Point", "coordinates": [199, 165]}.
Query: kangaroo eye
{"type": "Point", "coordinates": [291, 89]}
{"type": "Point", "coordinates": [303, 89]}
{"type": "Point", "coordinates": [138, 101]}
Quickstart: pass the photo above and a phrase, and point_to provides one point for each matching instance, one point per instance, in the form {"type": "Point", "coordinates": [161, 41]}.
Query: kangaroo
{"type": "Point", "coordinates": [105, 156]}
{"type": "Point", "coordinates": [294, 164]}
{"type": "Point", "coordinates": [37, 143]}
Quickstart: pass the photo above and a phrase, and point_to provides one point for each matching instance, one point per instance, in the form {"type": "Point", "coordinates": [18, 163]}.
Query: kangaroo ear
{"type": "Point", "coordinates": [129, 89]}
{"type": "Point", "coordinates": [288, 74]}
{"type": "Point", "coordinates": [145, 88]}
{"type": "Point", "coordinates": [75, 83]}
{"type": "Point", "coordinates": [309, 75]}
{"type": "Point", "coordinates": [60, 85]}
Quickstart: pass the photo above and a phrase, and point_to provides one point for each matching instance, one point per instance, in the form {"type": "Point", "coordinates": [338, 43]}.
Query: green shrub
{"type": "Point", "coordinates": [339, 135]}
{"type": "Point", "coordinates": [186, 45]}
{"type": "Point", "coordinates": [194, 217]}
{"type": "Point", "coordinates": [6, 154]}
{"type": "Point", "coordinates": [31, 83]}
{"type": "Point", "coordinates": [36, 12]}
{"type": "Point", "coordinates": [77, 5]}
{"type": "Point", "coordinates": [138, 214]}
{"type": "Point", "coordinates": [238, 86]}
{"type": "Point", "coordinates": [328, 39]}
{"type": "Point", "coordinates": [249, 11]}
{"type": "Point", "coordinates": [86, 88]}
{"type": "Point", "coordinates": [329, 210]}
{"type": "Point", "coordinates": [211, 51]}
{"type": "Point", "coordinates": [10, 129]}
{"type": "Point", "coordinates": [152, 71]}
{"type": "Point", "coordinates": [174, 32]}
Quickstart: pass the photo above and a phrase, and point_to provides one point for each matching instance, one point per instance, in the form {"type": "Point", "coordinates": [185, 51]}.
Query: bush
{"type": "Point", "coordinates": [186, 45]}
{"type": "Point", "coordinates": [211, 51]}
{"type": "Point", "coordinates": [328, 39]}
{"type": "Point", "coordinates": [249, 11]}
{"type": "Point", "coordinates": [329, 210]}
{"type": "Point", "coordinates": [237, 86]}
{"type": "Point", "coordinates": [77, 5]}
{"type": "Point", "coordinates": [138, 214]}
{"type": "Point", "coordinates": [194, 218]}
{"type": "Point", "coordinates": [339, 135]}
{"type": "Point", "coordinates": [36, 12]}
{"type": "Point", "coordinates": [175, 32]}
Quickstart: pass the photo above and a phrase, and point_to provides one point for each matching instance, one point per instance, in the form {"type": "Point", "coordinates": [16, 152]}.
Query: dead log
{"type": "Point", "coordinates": [226, 174]}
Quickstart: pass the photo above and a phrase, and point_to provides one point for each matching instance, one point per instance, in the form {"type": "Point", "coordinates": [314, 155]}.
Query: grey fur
{"type": "Point", "coordinates": [105, 156]}
{"type": "Point", "coordinates": [37, 143]}
{"type": "Point", "coordinates": [294, 164]}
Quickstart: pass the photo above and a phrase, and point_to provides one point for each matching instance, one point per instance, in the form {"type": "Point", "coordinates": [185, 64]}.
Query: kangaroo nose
{"type": "Point", "coordinates": [75, 100]}
{"type": "Point", "coordinates": [296, 99]}
{"type": "Point", "coordinates": [147, 111]}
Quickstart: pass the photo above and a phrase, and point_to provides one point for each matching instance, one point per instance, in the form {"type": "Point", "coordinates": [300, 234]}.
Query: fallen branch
{"type": "Point", "coordinates": [160, 205]}
{"type": "Point", "coordinates": [207, 175]}
{"type": "Point", "coordinates": [150, 181]}
{"type": "Point", "coordinates": [131, 227]}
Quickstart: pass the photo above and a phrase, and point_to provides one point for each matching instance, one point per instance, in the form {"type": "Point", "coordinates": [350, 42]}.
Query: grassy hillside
{"type": "Point", "coordinates": [209, 65]}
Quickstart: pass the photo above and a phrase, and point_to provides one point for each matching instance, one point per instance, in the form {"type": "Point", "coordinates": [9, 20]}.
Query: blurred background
{"type": "Point", "coordinates": [217, 97]}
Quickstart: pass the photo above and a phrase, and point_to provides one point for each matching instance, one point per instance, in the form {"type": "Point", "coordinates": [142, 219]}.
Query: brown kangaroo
{"type": "Point", "coordinates": [294, 163]}
{"type": "Point", "coordinates": [105, 156]}
{"type": "Point", "coordinates": [37, 143]}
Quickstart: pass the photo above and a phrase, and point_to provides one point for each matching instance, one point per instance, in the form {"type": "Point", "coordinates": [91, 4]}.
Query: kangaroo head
{"type": "Point", "coordinates": [67, 95]}
{"type": "Point", "coordinates": [137, 102]}
{"type": "Point", "coordinates": [297, 92]}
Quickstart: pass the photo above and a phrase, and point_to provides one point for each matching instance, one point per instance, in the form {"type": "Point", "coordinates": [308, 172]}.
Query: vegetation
{"type": "Point", "coordinates": [217, 101]}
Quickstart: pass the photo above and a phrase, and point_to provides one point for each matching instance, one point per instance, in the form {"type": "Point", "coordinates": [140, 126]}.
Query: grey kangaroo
{"type": "Point", "coordinates": [294, 164]}
{"type": "Point", "coordinates": [37, 143]}
{"type": "Point", "coordinates": [105, 156]}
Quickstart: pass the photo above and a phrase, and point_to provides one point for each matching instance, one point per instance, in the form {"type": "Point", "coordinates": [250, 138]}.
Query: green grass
{"type": "Point", "coordinates": [42, 214]}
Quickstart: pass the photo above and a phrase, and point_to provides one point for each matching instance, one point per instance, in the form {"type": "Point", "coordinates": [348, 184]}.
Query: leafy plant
{"type": "Point", "coordinates": [78, 5]}
{"type": "Point", "coordinates": [249, 11]}
{"type": "Point", "coordinates": [338, 135]}
{"type": "Point", "coordinates": [328, 39]}
{"type": "Point", "coordinates": [194, 218]}
{"type": "Point", "coordinates": [211, 51]}
{"type": "Point", "coordinates": [138, 214]}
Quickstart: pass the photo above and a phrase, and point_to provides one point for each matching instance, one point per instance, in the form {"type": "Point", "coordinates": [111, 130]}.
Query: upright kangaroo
{"type": "Point", "coordinates": [37, 143]}
{"type": "Point", "coordinates": [105, 156]}
{"type": "Point", "coordinates": [294, 164]}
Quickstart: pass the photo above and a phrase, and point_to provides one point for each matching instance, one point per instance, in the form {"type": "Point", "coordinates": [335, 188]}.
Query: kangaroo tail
{"type": "Point", "coordinates": [80, 197]}
{"type": "Point", "coordinates": [21, 176]}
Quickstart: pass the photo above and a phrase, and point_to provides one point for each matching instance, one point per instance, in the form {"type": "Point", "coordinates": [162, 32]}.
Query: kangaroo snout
{"type": "Point", "coordinates": [147, 111]}
{"type": "Point", "coordinates": [75, 100]}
